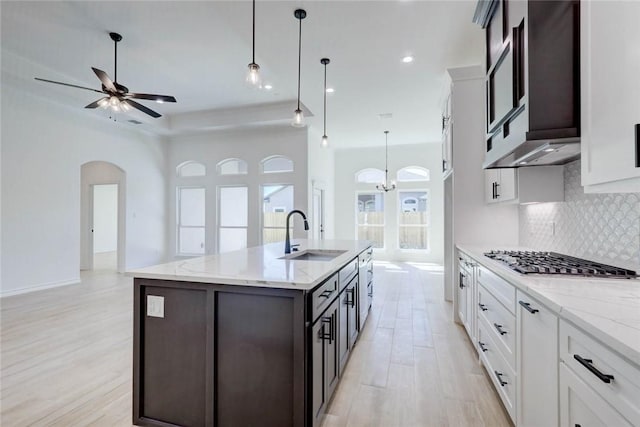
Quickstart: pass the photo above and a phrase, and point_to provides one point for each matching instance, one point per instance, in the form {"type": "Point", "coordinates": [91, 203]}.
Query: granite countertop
{"type": "Point", "coordinates": [607, 309]}
{"type": "Point", "coordinates": [258, 266]}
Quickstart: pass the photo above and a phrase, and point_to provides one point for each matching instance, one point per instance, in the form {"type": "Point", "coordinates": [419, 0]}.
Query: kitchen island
{"type": "Point", "coordinates": [250, 337]}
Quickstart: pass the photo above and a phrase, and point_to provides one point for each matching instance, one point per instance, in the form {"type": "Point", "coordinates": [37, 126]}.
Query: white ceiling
{"type": "Point", "coordinates": [198, 52]}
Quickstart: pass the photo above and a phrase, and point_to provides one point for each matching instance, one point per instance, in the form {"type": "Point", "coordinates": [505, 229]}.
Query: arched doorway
{"type": "Point", "coordinates": [100, 183]}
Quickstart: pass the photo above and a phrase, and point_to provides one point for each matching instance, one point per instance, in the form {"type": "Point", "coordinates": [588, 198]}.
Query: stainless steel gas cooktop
{"type": "Point", "coordinates": [535, 262]}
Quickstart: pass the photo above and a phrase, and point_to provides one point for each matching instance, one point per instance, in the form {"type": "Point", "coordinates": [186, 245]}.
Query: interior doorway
{"type": "Point", "coordinates": [318, 217]}
{"type": "Point", "coordinates": [101, 183]}
{"type": "Point", "coordinates": [104, 226]}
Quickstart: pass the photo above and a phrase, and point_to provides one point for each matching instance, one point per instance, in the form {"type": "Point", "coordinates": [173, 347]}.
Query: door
{"type": "Point", "coordinates": [318, 214]}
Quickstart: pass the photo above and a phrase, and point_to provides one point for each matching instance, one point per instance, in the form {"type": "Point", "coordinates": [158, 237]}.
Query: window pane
{"type": "Point", "coordinates": [413, 173]}
{"type": "Point", "coordinates": [271, 235]}
{"type": "Point", "coordinates": [374, 234]}
{"type": "Point", "coordinates": [277, 202]}
{"type": "Point", "coordinates": [414, 206]}
{"type": "Point", "coordinates": [232, 167]}
{"type": "Point", "coordinates": [191, 169]}
{"type": "Point", "coordinates": [277, 164]}
{"type": "Point", "coordinates": [370, 176]}
{"type": "Point", "coordinates": [413, 237]}
{"type": "Point", "coordinates": [233, 206]}
{"type": "Point", "coordinates": [192, 206]}
{"type": "Point", "coordinates": [191, 240]}
{"type": "Point", "coordinates": [232, 239]}
{"type": "Point", "coordinates": [371, 209]}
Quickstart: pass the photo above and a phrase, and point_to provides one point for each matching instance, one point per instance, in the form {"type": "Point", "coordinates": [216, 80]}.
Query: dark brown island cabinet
{"type": "Point", "coordinates": [246, 338]}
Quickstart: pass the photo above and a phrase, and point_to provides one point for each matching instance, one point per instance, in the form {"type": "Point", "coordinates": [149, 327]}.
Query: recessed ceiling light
{"type": "Point", "coordinates": [407, 59]}
{"type": "Point", "coordinates": [268, 87]}
{"type": "Point", "coordinates": [330, 90]}
{"type": "Point", "coordinates": [549, 150]}
{"type": "Point", "coordinates": [523, 163]}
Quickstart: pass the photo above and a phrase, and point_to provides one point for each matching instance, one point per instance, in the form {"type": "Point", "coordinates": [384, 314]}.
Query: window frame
{"type": "Point", "coordinates": [359, 192]}
{"type": "Point", "coordinates": [179, 189]}
{"type": "Point", "coordinates": [219, 214]}
{"type": "Point", "coordinates": [427, 225]}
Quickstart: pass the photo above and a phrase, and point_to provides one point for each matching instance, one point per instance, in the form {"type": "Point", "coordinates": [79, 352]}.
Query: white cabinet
{"type": "Point", "coordinates": [537, 350]}
{"type": "Point", "coordinates": [466, 308]}
{"type": "Point", "coordinates": [610, 96]}
{"type": "Point", "coordinates": [539, 184]}
{"type": "Point", "coordinates": [500, 185]}
{"type": "Point", "coordinates": [583, 407]}
{"type": "Point", "coordinates": [447, 137]}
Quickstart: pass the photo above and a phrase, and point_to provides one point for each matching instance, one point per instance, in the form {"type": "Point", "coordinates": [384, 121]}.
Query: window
{"type": "Point", "coordinates": [233, 219]}
{"type": "Point", "coordinates": [413, 220]}
{"type": "Point", "coordinates": [232, 167]}
{"type": "Point", "coordinates": [277, 164]}
{"type": "Point", "coordinates": [370, 176]}
{"type": "Point", "coordinates": [277, 202]}
{"type": "Point", "coordinates": [190, 220]}
{"type": "Point", "coordinates": [413, 174]}
{"type": "Point", "coordinates": [187, 169]}
{"type": "Point", "coordinates": [370, 218]}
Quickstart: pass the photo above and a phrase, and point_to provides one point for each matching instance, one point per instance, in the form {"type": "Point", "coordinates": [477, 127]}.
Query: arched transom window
{"type": "Point", "coordinates": [232, 167]}
{"type": "Point", "coordinates": [191, 168]}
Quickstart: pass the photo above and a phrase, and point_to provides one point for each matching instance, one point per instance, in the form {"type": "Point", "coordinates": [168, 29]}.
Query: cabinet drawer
{"type": "Point", "coordinates": [593, 363]}
{"type": "Point", "coordinates": [347, 273]}
{"type": "Point", "coordinates": [501, 373]}
{"type": "Point", "coordinates": [502, 290]}
{"type": "Point", "coordinates": [499, 322]}
{"type": "Point", "coordinates": [322, 297]}
{"type": "Point", "coordinates": [581, 406]}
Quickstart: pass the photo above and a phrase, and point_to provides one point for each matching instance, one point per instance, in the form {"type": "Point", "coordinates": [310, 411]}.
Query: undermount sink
{"type": "Point", "coordinates": [314, 255]}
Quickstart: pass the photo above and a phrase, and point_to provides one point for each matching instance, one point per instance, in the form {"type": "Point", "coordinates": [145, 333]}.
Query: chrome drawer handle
{"type": "Point", "coordinates": [588, 363]}
{"type": "Point", "coordinates": [499, 329]}
{"type": "Point", "coordinates": [499, 377]}
{"type": "Point", "coordinates": [527, 306]}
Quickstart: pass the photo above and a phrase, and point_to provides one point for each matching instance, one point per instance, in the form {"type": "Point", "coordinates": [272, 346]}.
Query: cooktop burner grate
{"type": "Point", "coordinates": [535, 262]}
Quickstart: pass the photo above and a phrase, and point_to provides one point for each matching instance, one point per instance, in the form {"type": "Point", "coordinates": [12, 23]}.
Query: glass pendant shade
{"type": "Point", "coordinates": [253, 75]}
{"type": "Point", "coordinates": [325, 141]}
{"type": "Point", "coordinates": [298, 119]}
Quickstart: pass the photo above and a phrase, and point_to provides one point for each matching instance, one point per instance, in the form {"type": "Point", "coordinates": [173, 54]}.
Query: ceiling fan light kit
{"type": "Point", "coordinates": [298, 115]}
{"type": "Point", "coordinates": [386, 186]}
{"type": "Point", "coordinates": [118, 98]}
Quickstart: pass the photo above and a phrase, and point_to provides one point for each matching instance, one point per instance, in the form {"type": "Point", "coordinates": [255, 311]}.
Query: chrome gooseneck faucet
{"type": "Point", "coordinates": [287, 242]}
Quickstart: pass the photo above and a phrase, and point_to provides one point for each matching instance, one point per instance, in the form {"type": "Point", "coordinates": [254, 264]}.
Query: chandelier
{"type": "Point", "coordinates": [386, 186]}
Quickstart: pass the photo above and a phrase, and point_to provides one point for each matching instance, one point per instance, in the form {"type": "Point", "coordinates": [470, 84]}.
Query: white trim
{"type": "Point", "coordinates": [41, 287]}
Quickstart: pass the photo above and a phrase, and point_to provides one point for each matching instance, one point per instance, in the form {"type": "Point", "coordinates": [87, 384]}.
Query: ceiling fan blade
{"type": "Point", "coordinates": [68, 84]}
{"type": "Point", "coordinates": [151, 97]}
{"type": "Point", "coordinates": [104, 78]}
{"type": "Point", "coordinates": [96, 104]}
{"type": "Point", "coordinates": [142, 108]}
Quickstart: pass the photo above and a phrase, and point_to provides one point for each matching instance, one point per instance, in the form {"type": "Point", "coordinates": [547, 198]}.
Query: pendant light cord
{"type": "Point", "coordinates": [299, 58]}
{"type": "Point", "coordinates": [253, 61]}
{"type": "Point", "coordinates": [386, 158]}
{"type": "Point", "coordinates": [115, 62]}
{"type": "Point", "coordinates": [325, 100]}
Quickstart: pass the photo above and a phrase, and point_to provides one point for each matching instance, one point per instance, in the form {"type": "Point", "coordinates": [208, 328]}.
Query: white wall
{"type": "Point", "coordinates": [350, 161]}
{"type": "Point", "coordinates": [251, 145]}
{"type": "Point", "coordinates": [43, 147]}
{"type": "Point", "coordinates": [322, 176]}
{"type": "Point", "coordinates": [105, 218]}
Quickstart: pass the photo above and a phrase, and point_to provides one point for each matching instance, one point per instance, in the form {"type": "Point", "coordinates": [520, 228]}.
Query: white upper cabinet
{"type": "Point", "coordinates": [538, 184]}
{"type": "Point", "coordinates": [610, 92]}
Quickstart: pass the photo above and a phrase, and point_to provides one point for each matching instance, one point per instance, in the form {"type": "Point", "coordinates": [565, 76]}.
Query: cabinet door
{"type": "Point", "coordinates": [507, 185]}
{"type": "Point", "coordinates": [319, 333]}
{"type": "Point", "coordinates": [343, 329]}
{"type": "Point", "coordinates": [583, 407]}
{"type": "Point", "coordinates": [470, 320]}
{"type": "Point", "coordinates": [332, 359]}
{"type": "Point", "coordinates": [537, 341]}
{"type": "Point", "coordinates": [462, 296]}
{"type": "Point", "coordinates": [610, 102]}
{"type": "Point", "coordinates": [491, 178]}
{"type": "Point", "coordinates": [352, 312]}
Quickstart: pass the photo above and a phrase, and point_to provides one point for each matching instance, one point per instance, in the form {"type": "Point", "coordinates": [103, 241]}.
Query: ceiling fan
{"type": "Point", "coordinates": [117, 96]}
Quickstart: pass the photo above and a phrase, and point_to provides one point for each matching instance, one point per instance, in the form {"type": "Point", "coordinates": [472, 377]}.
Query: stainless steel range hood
{"type": "Point", "coordinates": [536, 153]}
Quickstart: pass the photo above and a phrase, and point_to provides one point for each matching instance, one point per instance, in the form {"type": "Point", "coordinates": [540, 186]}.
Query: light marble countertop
{"type": "Point", "coordinates": [260, 266]}
{"type": "Point", "coordinates": [607, 309]}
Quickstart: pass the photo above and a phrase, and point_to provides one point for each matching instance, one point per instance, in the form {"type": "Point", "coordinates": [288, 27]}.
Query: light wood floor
{"type": "Point", "coordinates": [66, 358]}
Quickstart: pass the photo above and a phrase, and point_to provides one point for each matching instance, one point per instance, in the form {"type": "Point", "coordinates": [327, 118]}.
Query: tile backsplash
{"type": "Point", "coordinates": [599, 227]}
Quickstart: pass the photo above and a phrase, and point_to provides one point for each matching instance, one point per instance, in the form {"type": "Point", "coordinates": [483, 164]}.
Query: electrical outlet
{"type": "Point", "coordinates": [552, 226]}
{"type": "Point", "coordinates": [155, 306]}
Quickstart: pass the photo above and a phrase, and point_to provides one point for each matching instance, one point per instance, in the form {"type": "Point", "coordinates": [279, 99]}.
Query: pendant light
{"type": "Point", "coordinates": [386, 186]}
{"type": "Point", "coordinates": [253, 74]}
{"type": "Point", "coordinates": [325, 139]}
{"type": "Point", "coordinates": [298, 115]}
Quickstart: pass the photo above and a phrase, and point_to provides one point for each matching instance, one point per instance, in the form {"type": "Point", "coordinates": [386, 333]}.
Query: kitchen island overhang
{"type": "Point", "coordinates": [246, 337]}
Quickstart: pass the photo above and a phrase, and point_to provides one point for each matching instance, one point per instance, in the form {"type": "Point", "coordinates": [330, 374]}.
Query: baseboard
{"type": "Point", "coordinates": [20, 291]}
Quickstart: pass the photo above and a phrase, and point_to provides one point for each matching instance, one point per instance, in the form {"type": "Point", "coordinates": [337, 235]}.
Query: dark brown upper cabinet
{"type": "Point", "coordinates": [532, 81]}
